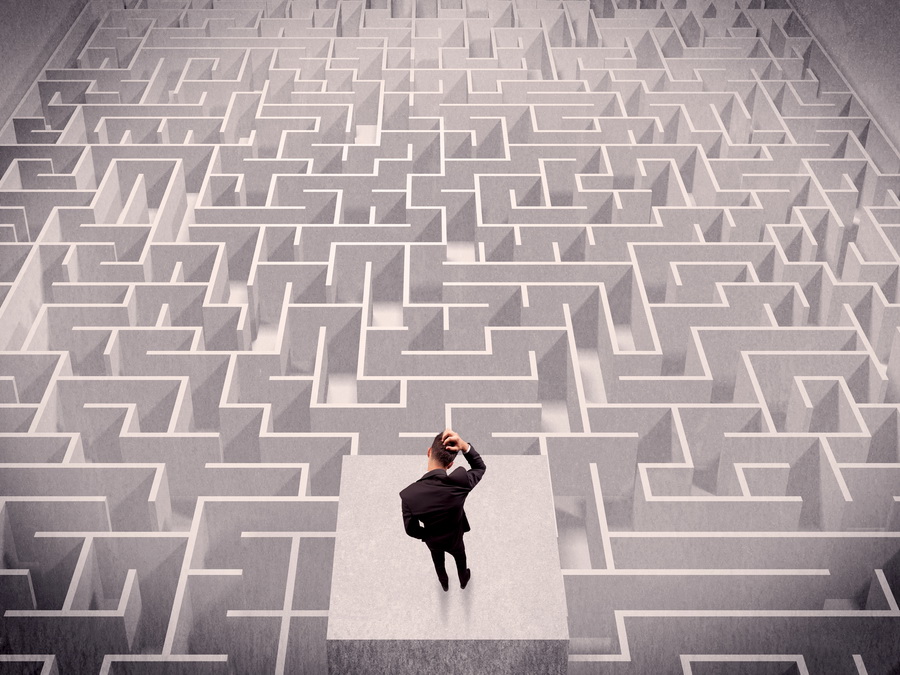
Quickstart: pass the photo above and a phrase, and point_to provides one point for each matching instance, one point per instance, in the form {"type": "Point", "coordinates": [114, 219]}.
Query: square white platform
{"type": "Point", "coordinates": [388, 612]}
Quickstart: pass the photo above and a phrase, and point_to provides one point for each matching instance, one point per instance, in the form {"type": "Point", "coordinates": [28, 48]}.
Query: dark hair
{"type": "Point", "coordinates": [439, 454]}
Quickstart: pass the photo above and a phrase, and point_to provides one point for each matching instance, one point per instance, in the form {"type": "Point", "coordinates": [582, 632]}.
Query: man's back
{"type": "Point", "coordinates": [438, 499]}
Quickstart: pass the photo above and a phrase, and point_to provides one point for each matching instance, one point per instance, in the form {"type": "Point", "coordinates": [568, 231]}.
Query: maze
{"type": "Point", "coordinates": [656, 242]}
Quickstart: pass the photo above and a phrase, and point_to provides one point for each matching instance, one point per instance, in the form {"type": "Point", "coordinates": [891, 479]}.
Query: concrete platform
{"type": "Point", "coordinates": [388, 613]}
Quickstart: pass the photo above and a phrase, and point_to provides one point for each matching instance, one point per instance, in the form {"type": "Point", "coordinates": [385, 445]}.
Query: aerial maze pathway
{"type": "Point", "coordinates": [656, 244]}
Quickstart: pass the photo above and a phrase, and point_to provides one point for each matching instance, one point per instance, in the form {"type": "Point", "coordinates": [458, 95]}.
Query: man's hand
{"type": "Point", "coordinates": [452, 441]}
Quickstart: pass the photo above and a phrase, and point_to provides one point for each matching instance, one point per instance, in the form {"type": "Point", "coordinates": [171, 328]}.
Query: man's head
{"type": "Point", "coordinates": [437, 455]}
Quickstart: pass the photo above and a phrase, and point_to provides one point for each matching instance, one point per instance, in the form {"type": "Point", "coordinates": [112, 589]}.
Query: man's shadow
{"type": "Point", "coordinates": [444, 606]}
{"type": "Point", "coordinates": [445, 601]}
{"type": "Point", "coordinates": [467, 599]}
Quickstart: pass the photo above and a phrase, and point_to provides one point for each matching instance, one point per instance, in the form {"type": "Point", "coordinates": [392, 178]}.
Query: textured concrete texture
{"type": "Point", "coordinates": [458, 657]}
{"type": "Point", "coordinates": [654, 245]}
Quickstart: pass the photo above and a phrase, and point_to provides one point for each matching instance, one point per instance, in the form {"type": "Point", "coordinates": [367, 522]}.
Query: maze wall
{"type": "Point", "coordinates": [656, 243]}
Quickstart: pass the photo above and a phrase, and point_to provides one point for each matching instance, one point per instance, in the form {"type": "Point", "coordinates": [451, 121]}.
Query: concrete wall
{"type": "Point", "coordinates": [863, 39]}
{"type": "Point", "coordinates": [29, 33]}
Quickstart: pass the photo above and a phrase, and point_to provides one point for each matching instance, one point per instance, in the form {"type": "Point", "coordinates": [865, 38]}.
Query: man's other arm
{"type": "Point", "coordinates": [411, 524]}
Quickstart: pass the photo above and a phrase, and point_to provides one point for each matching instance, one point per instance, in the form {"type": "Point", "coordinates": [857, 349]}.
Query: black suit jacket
{"type": "Point", "coordinates": [437, 499]}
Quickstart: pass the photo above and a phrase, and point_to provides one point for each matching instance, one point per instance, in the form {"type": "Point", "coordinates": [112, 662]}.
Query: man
{"type": "Point", "coordinates": [437, 499]}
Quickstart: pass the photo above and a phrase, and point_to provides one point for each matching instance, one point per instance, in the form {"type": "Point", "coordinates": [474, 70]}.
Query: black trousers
{"type": "Point", "coordinates": [458, 551]}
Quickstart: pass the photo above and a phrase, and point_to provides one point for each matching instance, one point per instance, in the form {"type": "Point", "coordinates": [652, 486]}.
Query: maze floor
{"type": "Point", "coordinates": [656, 242]}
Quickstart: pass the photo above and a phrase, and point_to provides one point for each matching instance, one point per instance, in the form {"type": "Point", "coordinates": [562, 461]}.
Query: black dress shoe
{"type": "Point", "coordinates": [465, 579]}
{"type": "Point", "coordinates": [445, 584]}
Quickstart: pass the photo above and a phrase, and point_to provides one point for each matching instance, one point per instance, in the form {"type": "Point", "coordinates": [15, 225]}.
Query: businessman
{"type": "Point", "coordinates": [437, 499]}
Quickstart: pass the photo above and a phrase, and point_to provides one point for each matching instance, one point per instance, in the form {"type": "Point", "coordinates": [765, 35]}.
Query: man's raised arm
{"type": "Point", "coordinates": [476, 471]}
{"type": "Point", "coordinates": [452, 441]}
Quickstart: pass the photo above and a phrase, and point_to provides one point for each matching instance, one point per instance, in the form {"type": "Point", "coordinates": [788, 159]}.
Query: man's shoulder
{"type": "Point", "coordinates": [458, 474]}
{"type": "Point", "coordinates": [410, 489]}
